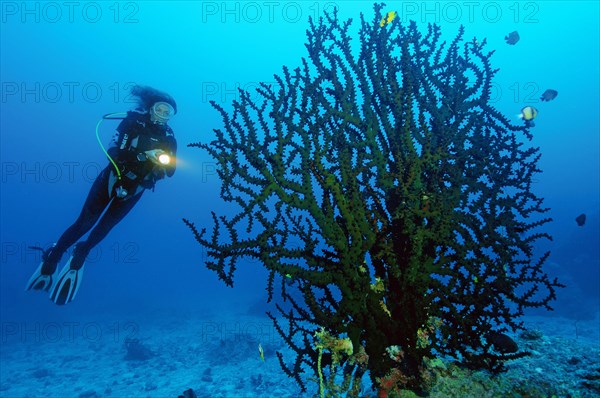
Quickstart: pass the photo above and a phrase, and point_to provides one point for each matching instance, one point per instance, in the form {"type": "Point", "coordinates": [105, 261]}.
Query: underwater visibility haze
{"type": "Point", "coordinates": [300, 199]}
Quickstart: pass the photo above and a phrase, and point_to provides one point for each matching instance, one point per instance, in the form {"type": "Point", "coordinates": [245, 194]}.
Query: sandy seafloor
{"type": "Point", "coordinates": [217, 356]}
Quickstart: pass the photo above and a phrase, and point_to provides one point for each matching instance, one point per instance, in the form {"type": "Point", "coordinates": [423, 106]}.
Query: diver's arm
{"type": "Point", "coordinates": [161, 170]}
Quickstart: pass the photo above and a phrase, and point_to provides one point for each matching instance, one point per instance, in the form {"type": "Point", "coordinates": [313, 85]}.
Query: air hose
{"type": "Point", "coordinates": [110, 116]}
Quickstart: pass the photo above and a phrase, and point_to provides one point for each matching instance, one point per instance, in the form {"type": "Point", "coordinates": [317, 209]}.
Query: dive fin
{"type": "Point", "coordinates": [67, 285]}
{"type": "Point", "coordinates": [39, 281]}
{"type": "Point", "coordinates": [42, 277]}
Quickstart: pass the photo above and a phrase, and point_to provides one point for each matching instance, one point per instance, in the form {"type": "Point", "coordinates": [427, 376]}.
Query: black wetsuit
{"type": "Point", "coordinates": [135, 135]}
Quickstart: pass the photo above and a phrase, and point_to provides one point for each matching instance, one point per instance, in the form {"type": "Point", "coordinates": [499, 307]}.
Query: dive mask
{"type": "Point", "coordinates": [161, 112]}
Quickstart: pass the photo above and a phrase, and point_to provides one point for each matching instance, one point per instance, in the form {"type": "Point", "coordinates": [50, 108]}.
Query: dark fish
{"type": "Point", "coordinates": [189, 393]}
{"type": "Point", "coordinates": [580, 220]}
{"type": "Point", "coordinates": [512, 38]}
{"type": "Point", "coordinates": [549, 95]}
{"type": "Point", "coordinates": [502, 343]}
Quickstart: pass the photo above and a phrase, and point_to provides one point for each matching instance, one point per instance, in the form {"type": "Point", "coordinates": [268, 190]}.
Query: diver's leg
{"type": "Point", "coordinates": [116, 211]}
{"type": "Point", "coordinates": [70, 277]}
{"type": "Point", "coordinates": [97, 200]}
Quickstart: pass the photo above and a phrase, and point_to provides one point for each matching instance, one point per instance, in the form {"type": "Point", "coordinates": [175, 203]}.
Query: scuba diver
{"type": "Point", "coordinates": [142, 152]}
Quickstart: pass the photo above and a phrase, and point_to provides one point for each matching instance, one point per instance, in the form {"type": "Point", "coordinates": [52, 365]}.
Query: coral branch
{"type": "Point", "coordinates": [389, 201]}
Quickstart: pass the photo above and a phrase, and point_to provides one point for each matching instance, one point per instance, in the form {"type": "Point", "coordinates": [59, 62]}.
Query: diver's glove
{"type": "Point", "coordinates": [156, 156]}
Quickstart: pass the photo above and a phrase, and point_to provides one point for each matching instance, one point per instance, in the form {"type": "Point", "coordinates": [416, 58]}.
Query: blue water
{"type": "Point", "coordinates": [65, 64]}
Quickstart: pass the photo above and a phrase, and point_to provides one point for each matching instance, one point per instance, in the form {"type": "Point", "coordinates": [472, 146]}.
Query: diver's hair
{"type": "Point", "coordinates": [148, 96]}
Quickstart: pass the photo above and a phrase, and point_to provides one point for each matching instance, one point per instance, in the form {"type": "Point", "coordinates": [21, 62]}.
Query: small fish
{"type": "Point", "coordinates": [549, 95]}
{"type": "Point", "coordinates": [528, 113]}
{"type": "Point", "coordinates": [389, 17]}
{"type": "Point", "coordinates": [289, 279]}
{"type": "Point", "coordinates": [512, 38]}
{"type": "Point", "coordinates": [261, 352]}
{"type": "Point", "coordinates": [580, 220]}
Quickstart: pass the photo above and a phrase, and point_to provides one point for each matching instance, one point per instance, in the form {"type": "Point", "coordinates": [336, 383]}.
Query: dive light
{"type": "Point", "coordinates": [157, 156]}
{"type": "Point", "coordinates": [163, 158]}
